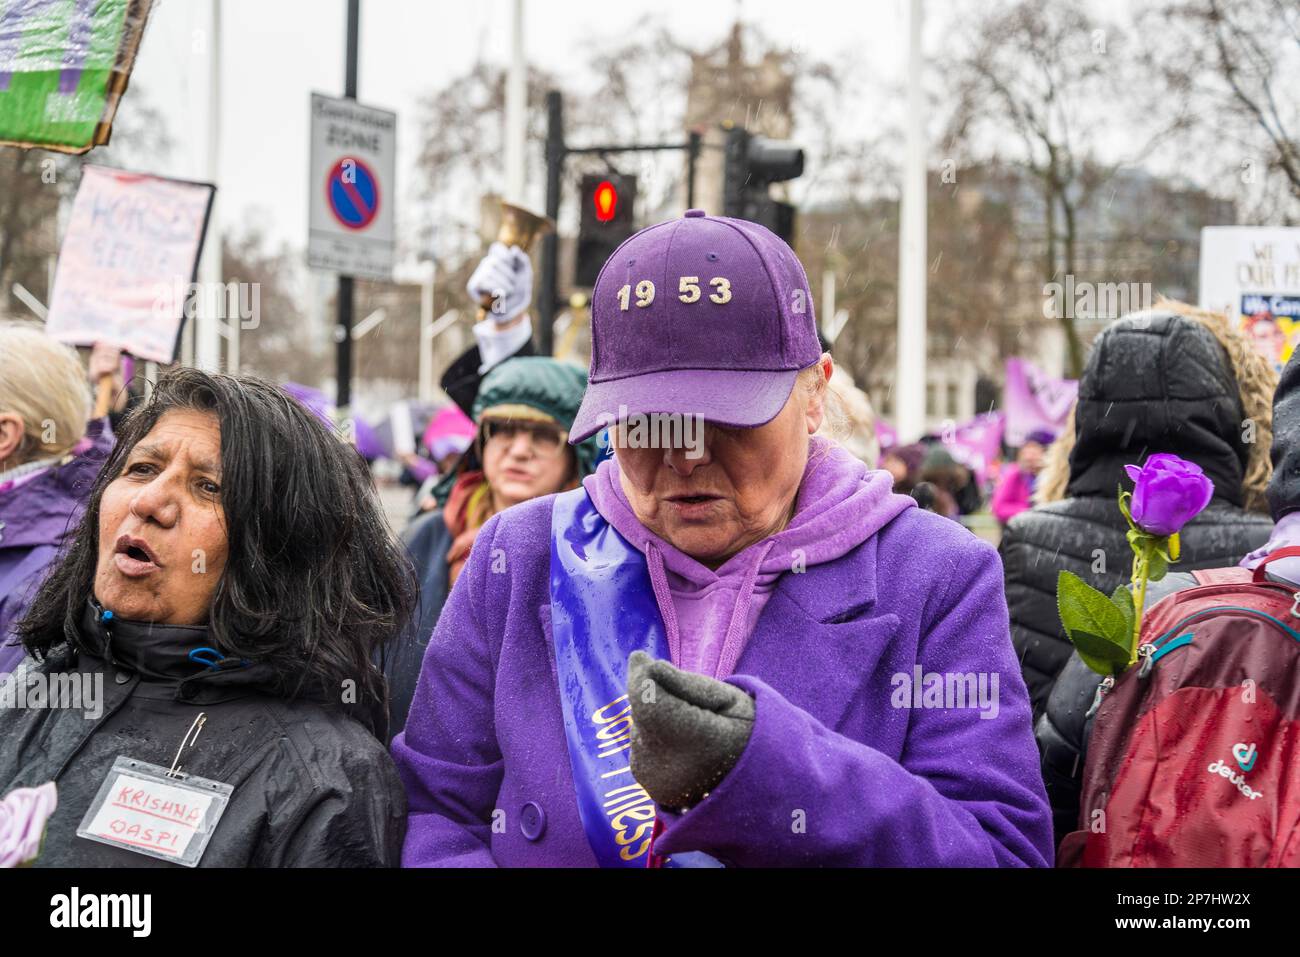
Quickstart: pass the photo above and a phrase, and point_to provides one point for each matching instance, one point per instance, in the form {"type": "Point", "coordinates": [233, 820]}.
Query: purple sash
{"type": "Point", "coordinates": [603, 609]}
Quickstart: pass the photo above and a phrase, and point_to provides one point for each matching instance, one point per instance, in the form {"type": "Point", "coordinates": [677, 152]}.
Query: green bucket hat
{"type": "Point", "coordinates": [547, 385]}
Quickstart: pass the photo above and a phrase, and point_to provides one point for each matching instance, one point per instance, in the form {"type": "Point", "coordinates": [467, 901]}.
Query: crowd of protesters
{"type": "Point", "coordinates": [586, 648]}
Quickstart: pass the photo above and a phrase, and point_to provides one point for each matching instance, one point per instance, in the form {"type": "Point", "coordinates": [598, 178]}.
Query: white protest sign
{"type": "Point", "coordinates": [351, 188]}
{"type": "Point", "coordinates": [128, 261]}
{"type": "Point", "coordinates": [1252, 274]}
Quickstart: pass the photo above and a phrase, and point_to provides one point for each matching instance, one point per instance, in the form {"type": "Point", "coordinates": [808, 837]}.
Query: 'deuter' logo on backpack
{"type": "Point", "coordinates": [1245, 755]}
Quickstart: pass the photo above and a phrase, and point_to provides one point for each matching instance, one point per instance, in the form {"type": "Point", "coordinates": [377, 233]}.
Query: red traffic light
{"type": "Point", "coordinates": [606, 200]}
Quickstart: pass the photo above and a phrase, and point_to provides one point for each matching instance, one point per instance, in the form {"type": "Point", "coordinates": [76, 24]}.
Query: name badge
{"type": "Point", "coordinates": [146, 809]}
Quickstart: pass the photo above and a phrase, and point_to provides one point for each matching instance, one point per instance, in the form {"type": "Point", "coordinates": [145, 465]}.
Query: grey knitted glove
{"type": "Point", "coordinates": [688, 730]}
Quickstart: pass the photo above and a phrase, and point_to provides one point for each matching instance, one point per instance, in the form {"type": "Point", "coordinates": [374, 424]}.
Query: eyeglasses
{"type": "Point", "coordinates": [546, 440]}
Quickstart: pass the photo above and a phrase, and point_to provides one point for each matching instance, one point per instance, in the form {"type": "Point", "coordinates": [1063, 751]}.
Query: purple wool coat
{"type": "Point", "coordinates": [842, 769]}
{"type": "Point", "coordinates": [36, 519]}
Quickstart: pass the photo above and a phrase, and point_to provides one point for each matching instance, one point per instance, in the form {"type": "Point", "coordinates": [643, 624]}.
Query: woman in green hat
{"type": "Point", "coordinates": [523, 413]}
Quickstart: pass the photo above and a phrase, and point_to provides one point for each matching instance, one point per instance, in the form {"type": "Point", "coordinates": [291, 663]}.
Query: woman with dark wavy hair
{"type": "Point", "coordinates": [201, 654]}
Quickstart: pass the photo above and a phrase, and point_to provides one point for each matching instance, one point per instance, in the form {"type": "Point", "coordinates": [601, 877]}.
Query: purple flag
{"type": "Point", "coordinates": [977, 442]}
{"type": "Point", "coordinates": [1034, 400]}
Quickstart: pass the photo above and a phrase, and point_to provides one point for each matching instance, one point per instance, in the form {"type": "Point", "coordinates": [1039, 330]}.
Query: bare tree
{"type": "Point", "coordinates": [1042, 72]}
{"type": "Point", "coordinates": [282, 345]}
{"type": "Point", "coordinates": [977, 300]}
{"type": "Point", "coordinates": [1231, 66]}
{"type": "Point", "coordinates": [638, 94]}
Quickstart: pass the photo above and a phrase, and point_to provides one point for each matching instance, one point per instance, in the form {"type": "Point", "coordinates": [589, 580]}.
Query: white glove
{"type": "Point", "coordinates": [505, 274]}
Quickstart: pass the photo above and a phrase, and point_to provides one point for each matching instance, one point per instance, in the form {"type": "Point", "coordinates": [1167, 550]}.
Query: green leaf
{"type": "Point", "coordinates": [1157, 566]}
{"type": "Point", "coordinates": [1084, 609]}
{"type": "Point", "coordinates": [1122, 598]}
{"type": "Point", "coordinates": [1100, 654]}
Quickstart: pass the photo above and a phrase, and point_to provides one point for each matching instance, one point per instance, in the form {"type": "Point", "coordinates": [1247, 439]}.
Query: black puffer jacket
{"type": "Point", "coordinates": [1155, 382]}
{"type": "Point", "coordinates": [312, 786]}
{"type": "Point", "coordinates": [1284, 487]}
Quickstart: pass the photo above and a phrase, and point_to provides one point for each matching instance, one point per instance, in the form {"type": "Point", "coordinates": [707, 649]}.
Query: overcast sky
{"type": "Point", "coordinates": [274, 53]}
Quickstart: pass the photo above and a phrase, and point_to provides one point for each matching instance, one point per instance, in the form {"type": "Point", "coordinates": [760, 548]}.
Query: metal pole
{"type": "Point", "coordinates": [426, 339]}
{"type": "Point", "coordinates": [234, 323]}
{"type": "Point", "coordinates": [910, 372]}
{"type": "Point", "coordinates": [548, 291]}
{"type": "Point", "coordinates": [232, 318]}
{"type": "Point", "coordinates": [343, 331]}
{"type": "Point", "coordinates": [693, 153]}
{"type": "Point", "coordinates": [207, 335]}
{"type": "Point", "coordinates": [354, 29]}
{"type": "Point", "coordinates": [516, 107]}
{"type": "Point", "coordinates": [828, 301]}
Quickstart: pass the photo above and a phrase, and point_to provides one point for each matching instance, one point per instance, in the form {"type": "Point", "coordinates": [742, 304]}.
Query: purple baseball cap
{"type": "Point", "coordinates": [702, 315]}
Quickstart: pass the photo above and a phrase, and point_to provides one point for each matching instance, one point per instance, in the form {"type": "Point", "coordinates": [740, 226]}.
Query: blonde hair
{"type": "Point", "coordinates": [848, 418]}
{"type": "Point", "coordinates": [842, 423]}
{"type": "Point", "coordinates": [1256, 383]}
{"type": "Point", "coordinates": [43, 383]}
{"type": "Point", "coordinates": [1055, 474]}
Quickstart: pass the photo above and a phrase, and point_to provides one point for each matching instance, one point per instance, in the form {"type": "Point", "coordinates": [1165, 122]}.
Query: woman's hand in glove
{"type": "Point", "coordinates": [688, 730]}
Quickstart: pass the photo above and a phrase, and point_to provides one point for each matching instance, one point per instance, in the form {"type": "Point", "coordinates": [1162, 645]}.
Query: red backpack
{"type": "Point", "coordinates": [1194, 757]}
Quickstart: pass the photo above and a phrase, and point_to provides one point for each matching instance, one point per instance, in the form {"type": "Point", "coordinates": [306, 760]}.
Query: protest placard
{"type": "Point", "coordinates": [128, 260]}
{"type": "Point", "coordinates": [64, 68]}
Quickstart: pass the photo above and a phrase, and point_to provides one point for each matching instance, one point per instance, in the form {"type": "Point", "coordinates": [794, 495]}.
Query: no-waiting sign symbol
{"type": "Point", "coordinates": [352, 192]}
{"type": "Point", "coordinates": [353, 175]}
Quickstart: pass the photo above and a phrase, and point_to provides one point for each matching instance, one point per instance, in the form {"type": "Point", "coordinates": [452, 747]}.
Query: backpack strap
{"type": "Point", "coordinates": [1221, 576]}
{"type": "Point", "coordinates": [1289, 551]}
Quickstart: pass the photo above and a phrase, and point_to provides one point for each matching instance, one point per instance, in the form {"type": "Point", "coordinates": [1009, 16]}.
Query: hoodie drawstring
{"type": "Point", "coordinates": [735, 639]}
{"type": "Point", "coordinates": [664, 599]}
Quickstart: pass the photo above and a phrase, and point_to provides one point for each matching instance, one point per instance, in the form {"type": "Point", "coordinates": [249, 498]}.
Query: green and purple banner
{"type": "Point", "coordinates": [64, 65]}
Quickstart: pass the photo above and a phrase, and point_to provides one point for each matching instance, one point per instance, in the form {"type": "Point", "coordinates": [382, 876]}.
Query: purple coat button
{"type": "Point", "coordinates": [532, 821]}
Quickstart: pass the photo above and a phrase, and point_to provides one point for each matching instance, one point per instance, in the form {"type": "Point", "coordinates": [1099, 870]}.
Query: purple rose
{"type": "Point", "coordinates": [23, 814]}
{"type": "Point", "coordinates": [1168, 493]}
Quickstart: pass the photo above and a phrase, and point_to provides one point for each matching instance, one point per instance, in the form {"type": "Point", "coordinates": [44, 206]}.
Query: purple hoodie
{"type": "Point", "coordinates": [851, 762]}
{"type": "Point", "coordinates": [36, 514]}
{"type": "Point", "coordinates": [708, 615]}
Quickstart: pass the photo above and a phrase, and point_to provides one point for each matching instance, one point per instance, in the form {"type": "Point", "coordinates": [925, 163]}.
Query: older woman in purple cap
{"type": "Point", "coordinates": [734, 644]}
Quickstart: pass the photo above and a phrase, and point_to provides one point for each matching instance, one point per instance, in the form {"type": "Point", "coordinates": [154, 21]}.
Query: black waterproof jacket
{"type": "Point", "coordinates": [1157, 382]}
{"type": "Point", "coordinates": [312, 786]}
{"type": "Point", "coordinates": [427, 541]}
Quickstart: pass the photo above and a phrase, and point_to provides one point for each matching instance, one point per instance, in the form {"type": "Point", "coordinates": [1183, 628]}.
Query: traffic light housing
{"type": "Point", "coordinates": [608, 202]}
{"type": "Point", "coordinates": [752, 163]}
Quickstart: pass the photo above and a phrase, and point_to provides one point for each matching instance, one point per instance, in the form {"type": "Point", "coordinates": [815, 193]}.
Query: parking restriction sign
{"type": "Point", "coordinates": [353, 162]}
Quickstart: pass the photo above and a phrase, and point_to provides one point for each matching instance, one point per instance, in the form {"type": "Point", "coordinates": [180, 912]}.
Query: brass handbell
{"type": "Point", "coordinates": [519, 227]}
